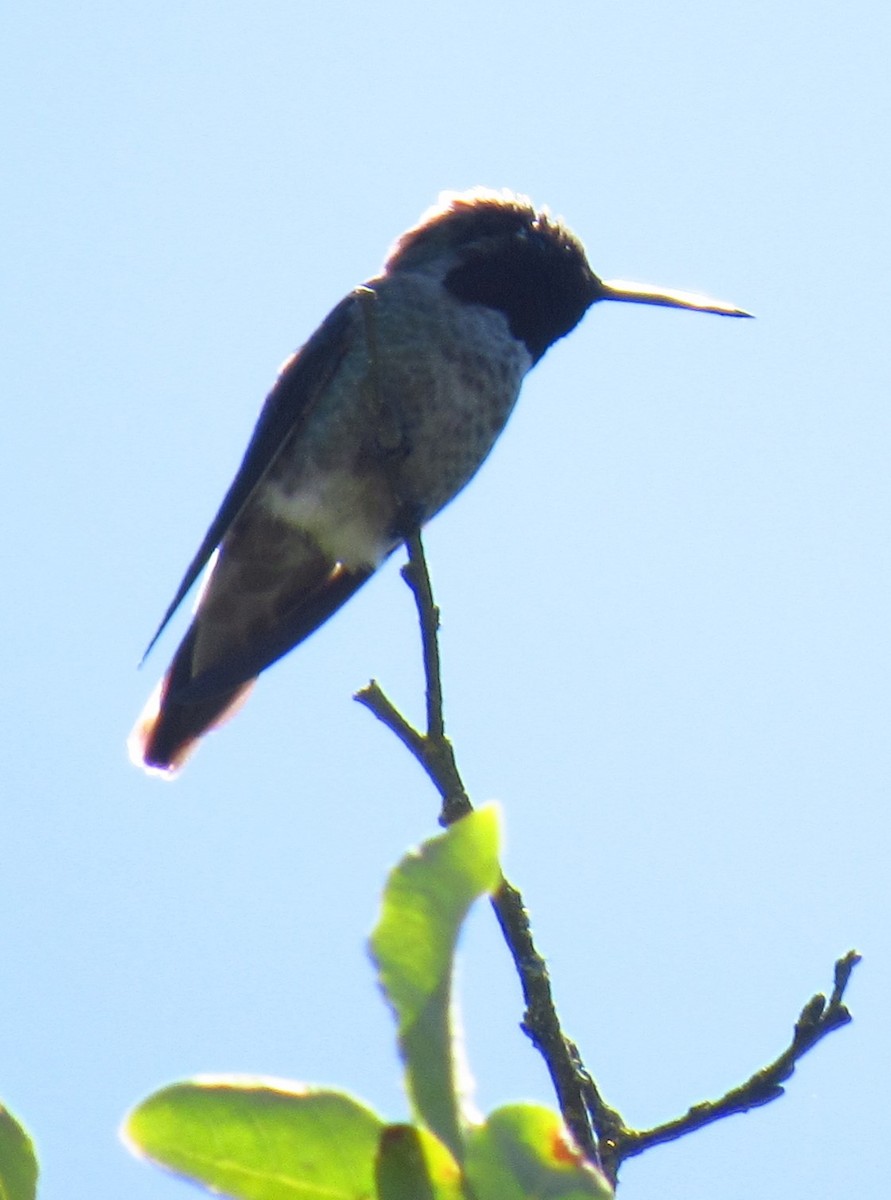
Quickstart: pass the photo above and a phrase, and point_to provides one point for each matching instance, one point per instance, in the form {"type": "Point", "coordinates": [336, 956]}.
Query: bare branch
{"type": "Point", "coordinates": [598, 1129]}
{"type": "Point", "coordinates": [435, 754]}
{"type": "Point", "coordinates": [818, 1018]}
{"type": "Point", "coordinates": [417, 577]}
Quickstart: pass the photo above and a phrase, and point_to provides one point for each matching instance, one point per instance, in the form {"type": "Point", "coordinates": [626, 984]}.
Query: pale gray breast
{"type": "Point", "coordinates": [410, 415]}
{"type": "Point", "coordinates": [450, 374]}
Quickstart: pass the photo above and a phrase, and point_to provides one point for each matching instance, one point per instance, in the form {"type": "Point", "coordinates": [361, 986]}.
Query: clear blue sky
{"type": "Point", "coordinates": [665, 599]}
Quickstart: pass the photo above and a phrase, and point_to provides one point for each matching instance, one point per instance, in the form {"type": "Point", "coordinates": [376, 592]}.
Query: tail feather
{"type": "Point", "coordinates": [250, 614]}
{"type": "Point", "coordinates": [168, 729]}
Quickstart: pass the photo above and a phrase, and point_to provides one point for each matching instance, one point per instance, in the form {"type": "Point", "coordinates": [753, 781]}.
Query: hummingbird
{"type": "Point", "coordinates": [372, 426]}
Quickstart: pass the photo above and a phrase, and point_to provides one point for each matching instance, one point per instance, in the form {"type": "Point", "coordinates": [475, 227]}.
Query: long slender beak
{"type": "Point", "coordinates": [643, 293]}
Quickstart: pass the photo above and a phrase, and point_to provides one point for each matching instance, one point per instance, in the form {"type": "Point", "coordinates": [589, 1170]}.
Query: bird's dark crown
{"type": "Point", "coordinates": [497, 249]}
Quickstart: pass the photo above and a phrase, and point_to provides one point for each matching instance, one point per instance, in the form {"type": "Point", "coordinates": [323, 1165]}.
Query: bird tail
{"type": "Point", "coordinates": [237, 632]}
{"type": "Point", "coordinates": [169, 728]}
{"type": "Point", "coordinates": [166, 734]}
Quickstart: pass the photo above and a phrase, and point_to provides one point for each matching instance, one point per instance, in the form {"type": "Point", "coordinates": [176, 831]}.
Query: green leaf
{"type": "Point", "coordinates": [425, 901]}
{"type": "Point", "coordinates": [260, 1139]}
{"type": "Point", "coordinates": [522, 1152]}
{"type": "Point", "coordinates": [414, 1165]}
{"type": "Point", "coordinates": [18, 1162]}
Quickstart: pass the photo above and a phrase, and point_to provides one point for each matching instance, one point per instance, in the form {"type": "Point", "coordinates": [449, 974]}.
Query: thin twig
{"type": "Point", "coordinates": [417, 576]}
{"type": "Point", "coordinates": [599, 1130]}
{"type": "Point", "coordinates": [818, 1018]}
{"type": "Point", "coordinates": [435, 754]}
{"type": "Point", "coordinates": [540, 1021]}
{"type": "Point", "coordinates": [376, 701]}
